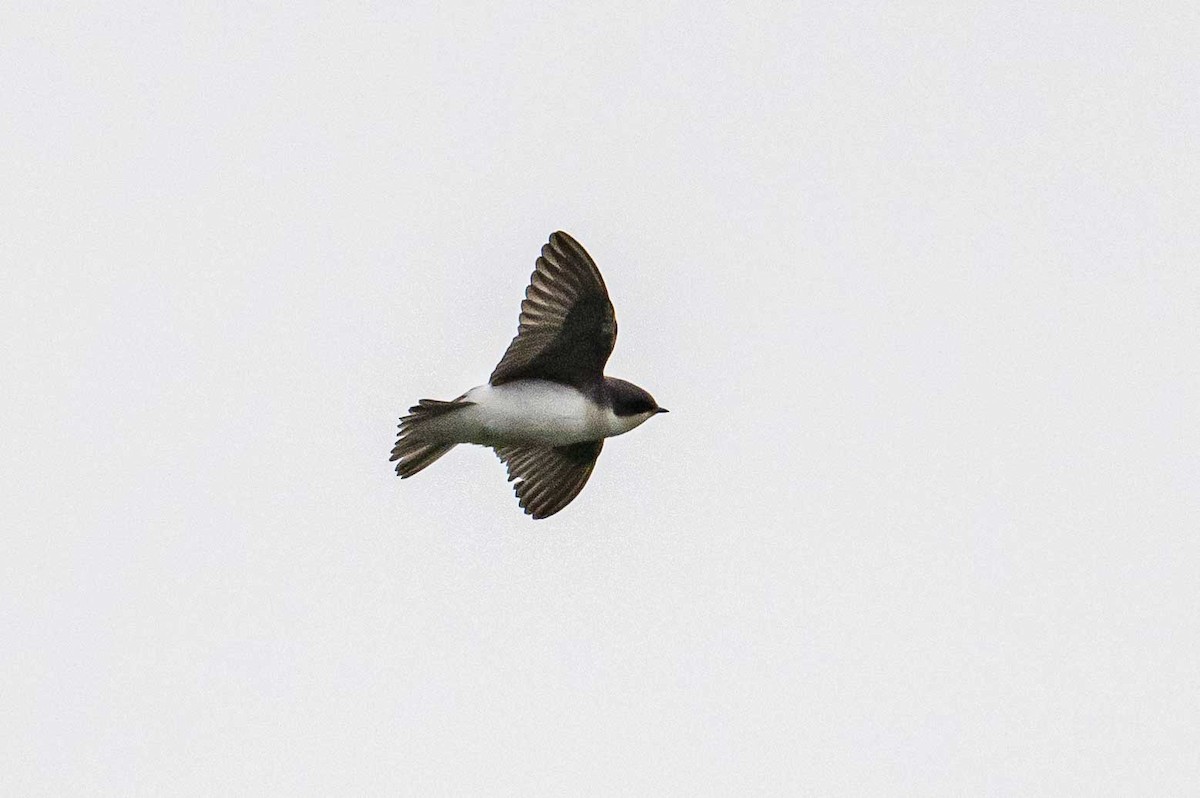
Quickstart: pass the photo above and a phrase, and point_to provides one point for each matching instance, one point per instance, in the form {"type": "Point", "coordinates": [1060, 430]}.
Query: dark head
{"type": "Point", "coordinates": [629, 400]}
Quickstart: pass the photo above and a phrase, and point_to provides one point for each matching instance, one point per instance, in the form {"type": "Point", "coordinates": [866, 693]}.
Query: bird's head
{"type": "Point", "coordinates": [631, 404]}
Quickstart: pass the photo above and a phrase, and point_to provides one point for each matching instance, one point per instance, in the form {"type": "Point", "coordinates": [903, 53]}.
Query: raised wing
{"type": "Point", "coordinates": [548, 478]}
{"type": "Point", "coordinates": [567, 328]}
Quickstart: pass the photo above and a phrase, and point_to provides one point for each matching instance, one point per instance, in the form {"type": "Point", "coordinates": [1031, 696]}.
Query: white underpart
{"type": "Point", "coordinates": [532, 412]}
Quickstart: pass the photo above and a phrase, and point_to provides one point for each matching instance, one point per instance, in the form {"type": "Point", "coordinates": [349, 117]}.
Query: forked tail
{"type": "Point", "coordinates": [419, 443]}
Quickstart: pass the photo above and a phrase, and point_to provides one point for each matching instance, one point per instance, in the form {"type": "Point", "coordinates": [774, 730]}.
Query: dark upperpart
{"type": "Point", "coordinates": [627, 399]}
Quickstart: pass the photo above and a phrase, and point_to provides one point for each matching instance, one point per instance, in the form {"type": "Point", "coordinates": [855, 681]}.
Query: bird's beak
{"type": "Point", "coordinates": [661, 410]}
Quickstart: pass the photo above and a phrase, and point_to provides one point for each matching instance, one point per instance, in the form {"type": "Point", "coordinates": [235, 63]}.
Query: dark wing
{"type": "Point", "coordinates": [568, 327]}
{"type": "Point", "coordinates": [549, 477]}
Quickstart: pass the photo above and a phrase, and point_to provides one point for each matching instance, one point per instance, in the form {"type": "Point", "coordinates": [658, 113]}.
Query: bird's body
{"type": "Point", "coordinates": [537, 412]}
{"type": "Point", "coordinates": [547, 407]}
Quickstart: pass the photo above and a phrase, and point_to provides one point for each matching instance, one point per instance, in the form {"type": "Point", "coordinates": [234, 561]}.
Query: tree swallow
{"type": "Point", "coordinates": [547, 407]}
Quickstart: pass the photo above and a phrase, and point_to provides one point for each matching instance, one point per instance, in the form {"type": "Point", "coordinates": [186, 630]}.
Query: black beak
{"type": "Point", "coordinates": [661, 410]}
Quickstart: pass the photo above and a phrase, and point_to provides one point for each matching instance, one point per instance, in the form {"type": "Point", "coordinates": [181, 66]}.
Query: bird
{"type": "Point", "coordinates": [547, 407]}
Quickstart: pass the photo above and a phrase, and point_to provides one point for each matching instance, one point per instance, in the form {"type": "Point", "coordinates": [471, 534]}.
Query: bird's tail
{"type": "Point", "coordinates": [420, 442]}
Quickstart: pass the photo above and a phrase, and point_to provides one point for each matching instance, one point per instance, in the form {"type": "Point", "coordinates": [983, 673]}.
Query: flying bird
{"type": "Point", "coordinates": [547, 407]}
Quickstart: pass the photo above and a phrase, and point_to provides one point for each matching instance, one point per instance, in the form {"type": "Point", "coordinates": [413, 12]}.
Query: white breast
{"type": "Point", "coordinates": [531, 411]}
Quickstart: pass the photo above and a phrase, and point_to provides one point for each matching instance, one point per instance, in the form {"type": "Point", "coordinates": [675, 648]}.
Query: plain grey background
{"type": "Point", "coordinates": [918, 283]}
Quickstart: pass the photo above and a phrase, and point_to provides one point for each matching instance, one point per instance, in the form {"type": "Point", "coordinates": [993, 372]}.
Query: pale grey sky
{"type": "Point", "coordinates": [918, 283]}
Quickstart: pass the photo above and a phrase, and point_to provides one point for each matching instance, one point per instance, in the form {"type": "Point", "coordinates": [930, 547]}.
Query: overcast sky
{"type": "Point", "coordinates": [918, 283]}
